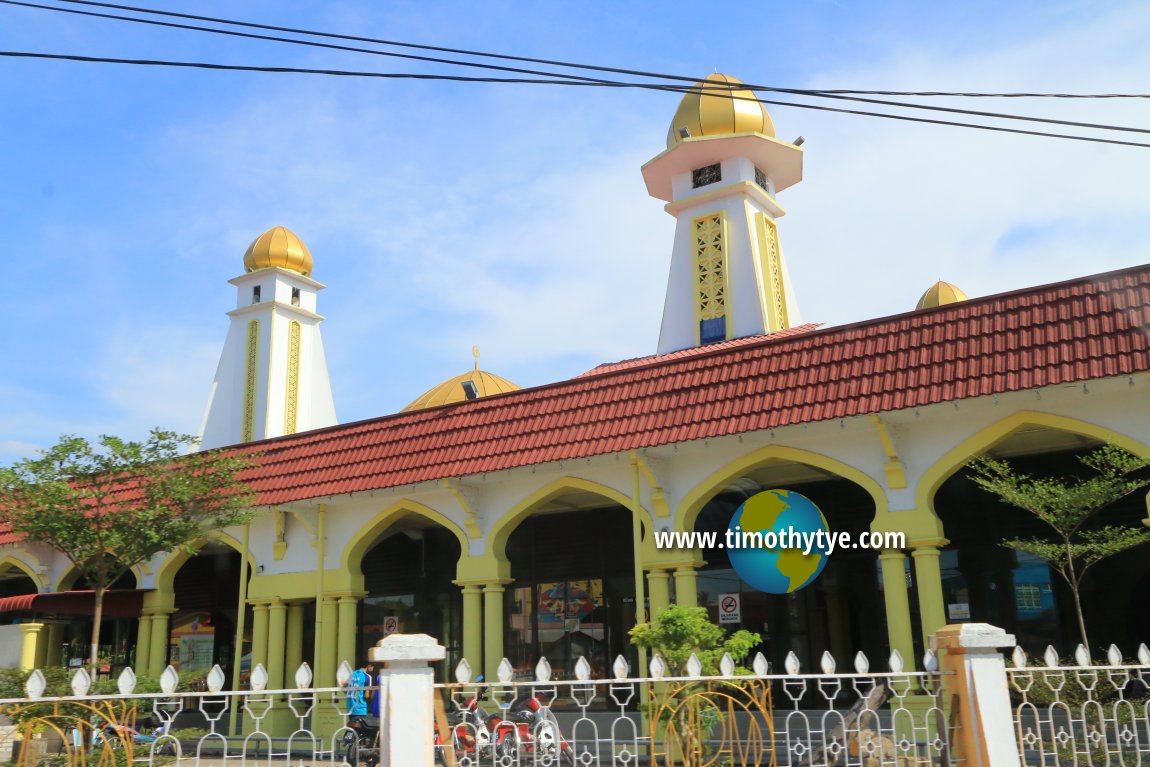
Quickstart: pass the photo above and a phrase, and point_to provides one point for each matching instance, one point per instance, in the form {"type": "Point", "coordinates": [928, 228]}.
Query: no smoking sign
{"type": "Point", "coordinates": [730, 608]}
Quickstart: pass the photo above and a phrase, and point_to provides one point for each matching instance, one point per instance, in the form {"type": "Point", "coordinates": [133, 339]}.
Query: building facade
{"type": "Point", "coordinates": [519, 523]}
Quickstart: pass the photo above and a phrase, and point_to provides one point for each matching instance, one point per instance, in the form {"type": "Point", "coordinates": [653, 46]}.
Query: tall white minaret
{"type": "Point", "coordinates": [719, 176]}
{"type": "Point", "coordinates": [272, 377]}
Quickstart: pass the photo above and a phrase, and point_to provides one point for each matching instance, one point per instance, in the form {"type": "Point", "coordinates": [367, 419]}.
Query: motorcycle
{"type": "Point", "coordinates": [529, 730]}
{"type": "Point", "coordinates": [361, 742]}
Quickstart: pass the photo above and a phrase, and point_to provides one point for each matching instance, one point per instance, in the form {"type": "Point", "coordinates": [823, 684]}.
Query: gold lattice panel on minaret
{"type": "Point", "coordinates": [291, 398]}
{"type": "Point", "coordinates": [772, 270]}
{"type": "Point", "coordinates": [710, 268]}
{"type": "Point", "coordinates": [251, 375]}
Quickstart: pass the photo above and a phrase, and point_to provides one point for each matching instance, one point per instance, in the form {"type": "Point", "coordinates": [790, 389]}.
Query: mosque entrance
{"type": "Point", "coordinates": [408, 576]}
{"type": "Point", "coordinates": [573, 594]}
{"type": "Point", "coordinates": [984, 581]}
{"type": "Point", "coordinates": [840, 611]}
{"type": "Point", "coordinates": [202, 630]}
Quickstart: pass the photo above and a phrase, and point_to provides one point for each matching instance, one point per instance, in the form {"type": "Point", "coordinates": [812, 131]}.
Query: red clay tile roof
{"type": "Point", "coordinates": [695, 351]}
{"type": "Point", "coordinates": [1093, 327]}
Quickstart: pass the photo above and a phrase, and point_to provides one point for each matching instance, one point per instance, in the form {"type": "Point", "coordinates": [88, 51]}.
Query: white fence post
{"type": "Point", "coordinates": [406, 711]}
{"type": "Point", "coordinates": [978, 694]}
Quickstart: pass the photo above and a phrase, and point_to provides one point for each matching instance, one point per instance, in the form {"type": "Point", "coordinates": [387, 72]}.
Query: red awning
{"type": "Point", "coordinates": [125, 603]}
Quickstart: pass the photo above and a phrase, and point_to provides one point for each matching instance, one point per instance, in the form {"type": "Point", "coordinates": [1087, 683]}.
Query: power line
{"type": "Point", "coordinates": [578, 82]}
{"type": "Point", "coordinates": [579, 77]}
{"type": "Point", "coordinates": [539, 73]}
{"type": "Point", "coordinates": [593, 67]}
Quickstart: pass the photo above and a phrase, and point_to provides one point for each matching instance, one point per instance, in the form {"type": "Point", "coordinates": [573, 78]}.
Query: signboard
{"type": "Point", "coordinates": [390, 625]}
{"type": "Point", "coordinates": [730, 608]}
{"type": "Point", "coordinates": [958, 611]}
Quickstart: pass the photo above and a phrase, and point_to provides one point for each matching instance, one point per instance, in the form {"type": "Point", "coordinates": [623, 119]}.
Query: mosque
{"type": "Point", "coordinates": [519, 523]}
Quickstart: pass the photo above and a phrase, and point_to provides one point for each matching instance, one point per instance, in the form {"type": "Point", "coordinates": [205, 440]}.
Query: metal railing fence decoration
{"type": "Point", "coordinates": [964, 707]}
{"type": "Point", "coordinates": [1081, 712]}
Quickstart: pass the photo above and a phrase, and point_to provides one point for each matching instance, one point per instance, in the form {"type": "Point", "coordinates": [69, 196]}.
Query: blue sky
{"type": "Point", "coordinates": [513, 217]}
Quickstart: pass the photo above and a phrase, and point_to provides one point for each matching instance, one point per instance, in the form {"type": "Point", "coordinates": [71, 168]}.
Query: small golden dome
{"type": "Point", "coordinates": [940, 293]}
{"type": "Point", "coordinates": [452, 390]}
{"type": "Point", "coordinates": [471, 385]}
{"type": "Point", "coordinates": [278, 246]}
{"type": "Point", "coordinates": [704, 114]}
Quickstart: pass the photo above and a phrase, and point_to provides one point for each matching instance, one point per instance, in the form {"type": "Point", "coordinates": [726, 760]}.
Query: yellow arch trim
{"type": "Point", "coordinates": [166, 572]}
{"type": "Point", "coordinates": [697, 498]}
{"type": "Point", "coordinates": [70, 575]}
{"type": "Point", "coordinates": [978, 443]}
{"type": "Point", "coordinates": [505, 526]}
{"type": "Point", "coordinates": [367, 535]}
{"type": "Point", "coordinates": [8, 561]}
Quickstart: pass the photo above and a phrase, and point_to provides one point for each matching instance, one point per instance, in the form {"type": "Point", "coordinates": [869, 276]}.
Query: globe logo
{"type": "Point", "coordinates": [768, 535]}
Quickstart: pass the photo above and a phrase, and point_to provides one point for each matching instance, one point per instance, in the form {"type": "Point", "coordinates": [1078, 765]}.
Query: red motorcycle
{"type": "Point", "coordinates": [531, 730]}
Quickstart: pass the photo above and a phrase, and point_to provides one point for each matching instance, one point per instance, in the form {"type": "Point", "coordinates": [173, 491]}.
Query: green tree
{"type": "Point", "coordinates": [689, 711]}
{"type": "Point", "coordinates": [679, 631]}
{"type": "Point", "coordinates": [1068, 505]}
{"type": "Point", "coordinates": [111, 505]}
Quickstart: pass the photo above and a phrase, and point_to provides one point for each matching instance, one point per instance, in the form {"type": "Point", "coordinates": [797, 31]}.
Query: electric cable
{"type": "Point", "coordinates": [592, 67]}
{"type": "Point", "coordinates": [579, 82]}
{"type": "Point", "coordinates": [455, 62]}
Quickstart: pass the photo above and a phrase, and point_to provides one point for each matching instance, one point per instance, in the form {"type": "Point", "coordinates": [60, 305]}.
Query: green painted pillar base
{"type": "Point", "coordinates": [325, 720]}
{"type": "Point", "coordinates": [472, 630]}
{"type": "Point", "coordinates": [899, 632]}
{"type": "Point", "coordinates": [686, 587]}
{"type": "Point", "coordinates": [143, 645]}
{"type": "Point", "coordinates": [659, 591]}
{"type": "Point", "coordinates": [158, 656]}
{"type": "Point", "coordinates": [928, 579]}
{"type": "Point", "coordinates": [492, 629]}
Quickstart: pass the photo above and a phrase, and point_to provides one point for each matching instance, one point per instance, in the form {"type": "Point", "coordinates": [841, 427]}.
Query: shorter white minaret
{"type": "Point", "coordinates": [272, 378]}
{"type": "Point", "coordinates": [719, 176]}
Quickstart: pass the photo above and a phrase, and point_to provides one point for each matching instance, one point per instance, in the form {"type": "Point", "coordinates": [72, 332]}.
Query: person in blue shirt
{"type": "Point", "coordinates": [359, 689]}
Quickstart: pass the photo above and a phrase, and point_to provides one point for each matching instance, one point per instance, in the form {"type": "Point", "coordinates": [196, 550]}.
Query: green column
{"type": "Point", "coordinates": [686, 587]}
{"type": "Point", "coordinates": [55, 644]}
{"type": "Point", "coordinates": [277, 633]}
{"type": "Point", "coordinates": [30, 641]}
{"type": "Point", "coordinates": [472, 629]}
{"type": "Point", "coordinates": [158, 656]}
{"type": "Point", "coordinates": [928, 580]}
{"type": "Point", "coordinates": [143, 644]}
{"type": "Point", "coordinates": [326, 663]}
{"type": "Point", "coordinates": [345, 644]}
{"type": "Point", "coordinates": [293, 654]}
{"type": "Point", "coordinates": [898, 628]}
{"type": "Point", "coordinates": [260, 635]}
{"type": "Point", "coordinates": [659, 591]}
{"type": "Point", "coordinates": [492, 629]}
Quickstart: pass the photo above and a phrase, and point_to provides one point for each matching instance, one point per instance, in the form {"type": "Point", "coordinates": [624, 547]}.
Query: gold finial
{"type": "Point", "coordinates": [475, 354]}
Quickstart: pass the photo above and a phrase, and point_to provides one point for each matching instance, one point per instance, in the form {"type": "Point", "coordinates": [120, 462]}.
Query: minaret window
{"type": "Point", "coordinates": [295, 296]}
{"type": "Point", "coordinates": [711, 174]}
{"type": "Point", "coordinates": [256, 294]}
{"type": "Point", "coordinates": [762, 180]}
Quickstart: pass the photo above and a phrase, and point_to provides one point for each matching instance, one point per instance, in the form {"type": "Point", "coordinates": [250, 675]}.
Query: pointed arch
{"type": "Point", "coordinates": [957, 457]}
{"type": "Point", "coordinates": [166, 572]}
{"type": "Point", "coordinates": [68, 578]}
{"type": "Point", "coordinates": [367, 535]}
{"type": "Point", "coordinates": [698, 497]}
{"type": "Point", "coordinates": [500, 533]}
{"type": "Point", "coordinates": [9, 561]}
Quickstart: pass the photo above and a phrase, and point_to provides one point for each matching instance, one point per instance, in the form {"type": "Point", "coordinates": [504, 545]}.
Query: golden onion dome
{"type": "Point", "coordinates": [278, 246]}
{"type": "Point", "coordinates": [713, 112]}
{"type": "Point", "coordinates": [939, 294]}
{"type": "Point", "coordinates": [456, 389]}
